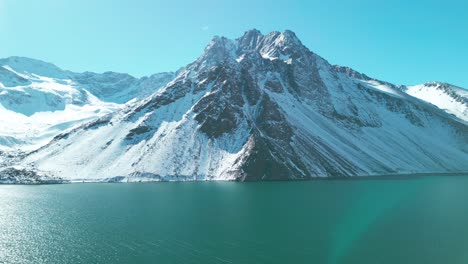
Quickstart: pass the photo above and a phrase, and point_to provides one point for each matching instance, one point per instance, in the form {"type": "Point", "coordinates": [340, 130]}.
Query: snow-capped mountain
{"type": "Point", "coordinates": [120, 87]}
{"type": "Point", "coordinates": [38, 100]}
{"type": "Point", "coordinates": [260, 107]}
{"type": "Point", "coordinates": [452, 99]}
{"type": "Point", "coordinates": [108, 86]}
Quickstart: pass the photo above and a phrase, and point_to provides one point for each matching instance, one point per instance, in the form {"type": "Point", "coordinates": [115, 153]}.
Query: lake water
{"type": "Point", "coordinates": [420, 220]}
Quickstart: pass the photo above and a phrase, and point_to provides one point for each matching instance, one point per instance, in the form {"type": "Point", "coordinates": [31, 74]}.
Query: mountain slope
{"type": "Point", "coordinates": [108, 86]}
{"type": "Point", "coordinates": [261, 107]}
{"type": "Point", "coordinates": [120, 87]}
{"type": "Point", "coordinates": [38, 100]}
{"type": "Point", "coordinates": [450, 98]}
{"type": "Point", "coordinates": [35, 108]}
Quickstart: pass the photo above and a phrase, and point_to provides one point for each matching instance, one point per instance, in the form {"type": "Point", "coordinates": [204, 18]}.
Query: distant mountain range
{"type": "Point", "coordinates": [260, 107]}
{"type": "Point", "coordinates": [39, 100]}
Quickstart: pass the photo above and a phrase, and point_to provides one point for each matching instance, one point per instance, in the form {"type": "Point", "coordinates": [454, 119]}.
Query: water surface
{"type": "Point", "coordinates": [419, 220]}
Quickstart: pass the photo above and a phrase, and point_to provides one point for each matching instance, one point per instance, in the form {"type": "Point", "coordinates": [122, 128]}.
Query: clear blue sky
{"type": "Point", "coordinates": [404, 42]}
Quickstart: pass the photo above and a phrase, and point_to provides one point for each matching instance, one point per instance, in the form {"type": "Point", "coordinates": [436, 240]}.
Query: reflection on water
{"type": "Point", "coordinates": [419, 220]}
{"type": "Point", "coordinates": [366, 206]}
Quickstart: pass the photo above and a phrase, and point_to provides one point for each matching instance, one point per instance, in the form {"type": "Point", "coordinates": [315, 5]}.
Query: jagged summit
{"type": "Point", "coordinates": [253, 39]}
{"type": "Point", "coordinates": [275, 45]}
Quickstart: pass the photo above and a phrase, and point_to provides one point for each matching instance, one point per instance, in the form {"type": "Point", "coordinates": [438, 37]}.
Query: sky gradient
{"type": "Point", "coordinates": [404, 42]}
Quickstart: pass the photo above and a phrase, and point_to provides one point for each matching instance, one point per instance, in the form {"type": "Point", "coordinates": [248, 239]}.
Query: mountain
{"type": "Point", "coordinates": [38, 100]}
{"type": "Point", "coordinates": [260, 107]}
{"type": "Point", "coordinates": [108, 86]}
{"type": "Point", "coordinates": [450, 98]}
{"type": "Point", "coordinates": [120, 87]}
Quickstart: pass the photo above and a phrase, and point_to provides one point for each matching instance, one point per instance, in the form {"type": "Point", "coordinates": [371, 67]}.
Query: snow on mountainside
{"type": "Point", "coordinates": [120, 87]}
{"type": "Point", "coordinates": [38, 100]}
{"type": "Point", "coordinates": [38, 108]}
{"type": "Point", "coordinates": [261, 107]}
{"type": "Point", "coordinates": [452, 99]}
{"type": "Point", "coordinates": [108, 86]}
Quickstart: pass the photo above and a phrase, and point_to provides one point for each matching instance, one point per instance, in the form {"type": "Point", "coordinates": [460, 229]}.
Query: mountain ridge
{"type": "Point", "coordinates": [260, 107]}
{"type": "Point", "coordinates": [38, 100]}
{"type": "Point", "coordinates": [108, 86]}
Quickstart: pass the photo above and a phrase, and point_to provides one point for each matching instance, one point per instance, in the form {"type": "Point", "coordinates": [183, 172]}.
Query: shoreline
{"type": "Point", "coordinates": [403, 176]}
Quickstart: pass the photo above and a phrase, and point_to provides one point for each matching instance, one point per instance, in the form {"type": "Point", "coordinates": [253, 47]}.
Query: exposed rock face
{"type": "Point", "coordinates": [262, 107]}
{"type": "Point", "coordinates": [13, 175]}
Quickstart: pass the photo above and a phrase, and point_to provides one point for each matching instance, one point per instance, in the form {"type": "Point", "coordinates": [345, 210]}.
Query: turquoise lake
{"type": "Point", "coordinates": [411, 220]}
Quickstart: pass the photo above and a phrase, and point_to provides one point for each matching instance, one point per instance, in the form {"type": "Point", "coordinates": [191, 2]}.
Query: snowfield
{"type": "Point", "coordinates": [39, 100]}
{"type": "Point", "coordinates": [452, 99]}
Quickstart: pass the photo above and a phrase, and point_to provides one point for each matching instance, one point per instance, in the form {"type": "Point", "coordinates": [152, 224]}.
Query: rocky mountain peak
{"type": "Point", "coordinates": [285, 46]}
{"type": "Point", "coordinates": [261, 107]}
{"type": "Point", "coordinates": [274, 45]}
{"type": "Point", "coordinates": [250, 40]}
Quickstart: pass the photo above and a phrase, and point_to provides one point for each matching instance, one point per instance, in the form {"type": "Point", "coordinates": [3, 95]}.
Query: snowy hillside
{"type": "Point", "coordinates": [108, 86]}
{"type": "Point", "coordinates": [38, 100]}
{"type": "Point", "coordinates": [120, 87]}
{"type": "Point", "coordinates": [452, 99]}
{"type": "Point", "coordinates": [261, 107]}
